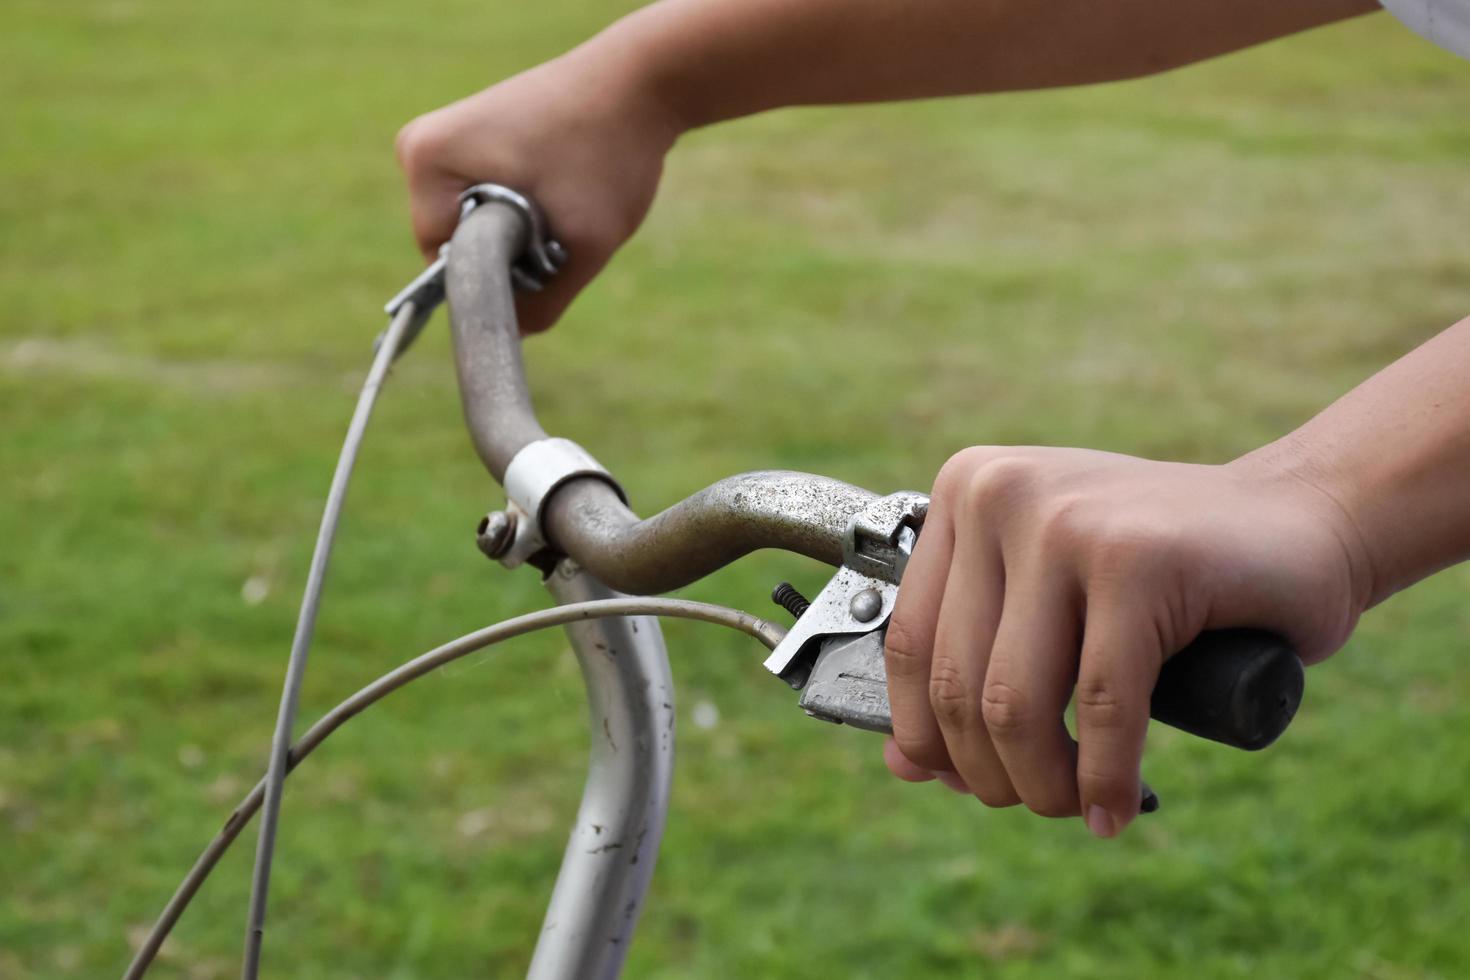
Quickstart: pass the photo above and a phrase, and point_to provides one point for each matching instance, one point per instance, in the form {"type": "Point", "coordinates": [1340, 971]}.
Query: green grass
{"type": "Point", "coordinates": [200, 220]}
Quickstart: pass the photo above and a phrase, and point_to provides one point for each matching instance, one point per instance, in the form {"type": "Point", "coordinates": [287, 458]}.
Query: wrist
{"type": "Point", "coordinates": [633, 62]}
{"type": "Point", "coordinates": [691, 64]}
{"type": "Point", "coordinates": [1291, 467]}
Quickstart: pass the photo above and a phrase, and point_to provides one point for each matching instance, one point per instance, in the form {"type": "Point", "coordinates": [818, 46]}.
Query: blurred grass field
{"type": "Point", "coordinates": [200, 220]}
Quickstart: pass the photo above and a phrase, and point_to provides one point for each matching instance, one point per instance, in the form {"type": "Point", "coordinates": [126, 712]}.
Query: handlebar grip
{"type": "Point", "coordinates": [1238, 686]}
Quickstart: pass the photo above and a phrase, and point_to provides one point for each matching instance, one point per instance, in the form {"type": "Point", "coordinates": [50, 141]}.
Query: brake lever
{"type": "Point", "coordinates": [1240, 687]}
{"type": "Point", "coordinates": [848, 684]}
{"type": "Point", "coordinates": [834, 652]}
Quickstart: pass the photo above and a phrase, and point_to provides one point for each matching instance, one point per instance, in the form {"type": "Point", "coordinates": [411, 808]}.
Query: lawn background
{"type": "Point", "coordinates": [200, 219]}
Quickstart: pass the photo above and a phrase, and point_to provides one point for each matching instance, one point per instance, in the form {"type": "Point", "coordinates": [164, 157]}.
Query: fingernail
{"type": "Point", "coordinates": [953, 781]}
{"type": "Point", "coordinates": [1100, 822]}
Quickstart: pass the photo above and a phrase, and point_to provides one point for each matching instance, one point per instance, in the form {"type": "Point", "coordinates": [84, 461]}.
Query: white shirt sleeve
{"type": "Point", "coordinates": [1445, 22]}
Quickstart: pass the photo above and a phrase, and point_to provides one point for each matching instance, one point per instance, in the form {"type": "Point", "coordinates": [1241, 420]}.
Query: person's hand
{"type": "Point", "coordinates": [1041, 572]}
{"type": "Point", "coordinates": [580, 135]}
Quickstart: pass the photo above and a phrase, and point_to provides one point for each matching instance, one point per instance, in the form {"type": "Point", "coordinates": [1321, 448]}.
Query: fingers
{"type": "Point", "coordinates": [538, 311]}
{"type": "Point", "coordinates": [969, 615]}
{"type": "Point", "coordinates": [908, 648]}
{"type": "Point", "coordinates": [433, 193]}
{"type": "Point", "coordinates": [1121, 657]}
{"type": "Point", "coordinates": [434, 211]}
{"type": "Point", "coordinates": [900, 765]}
{"type": "Point", "coordinates": [1027, 686]}
{"type": "Point", "coordinates": [987, 645]}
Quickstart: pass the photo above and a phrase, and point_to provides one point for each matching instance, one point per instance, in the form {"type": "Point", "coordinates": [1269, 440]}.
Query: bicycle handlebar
{"type": "Point", "coordinates": [586, 519]}
{"type": "Point", "coordinates": [1240, 687]}
{"type": "Point", "coordinates": [487, 344]}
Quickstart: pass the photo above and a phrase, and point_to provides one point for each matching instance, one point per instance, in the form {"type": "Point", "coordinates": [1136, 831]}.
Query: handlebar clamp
{"type": "Point", "coordinates": [534, 474]}
{"type": "Point", "coordinates": [543, 256]}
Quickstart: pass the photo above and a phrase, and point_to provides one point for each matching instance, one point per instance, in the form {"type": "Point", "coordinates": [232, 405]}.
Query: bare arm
{"type": "Point", "coordinates": [1045, 575]}
{"type": "Point", "coordinates": [717, 59]}
{"type": "Point", "coordinates": [1394, 454]}
{"type": "Point", "coordinates": [586, 134]}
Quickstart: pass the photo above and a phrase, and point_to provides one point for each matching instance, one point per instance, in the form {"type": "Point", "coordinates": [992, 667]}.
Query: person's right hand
{"type": "Point", "coordinates": [581, 136]}
{"type": "Point", "coordinates": [1048, 575]}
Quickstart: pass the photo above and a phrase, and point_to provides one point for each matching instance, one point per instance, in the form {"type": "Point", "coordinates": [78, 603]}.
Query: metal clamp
{"type": "Point", "coordinates": [880, 538]}
{"type": "Point", "coordinates": [534, 474]}
{"type": "Point", "coordinates": [542, 258]}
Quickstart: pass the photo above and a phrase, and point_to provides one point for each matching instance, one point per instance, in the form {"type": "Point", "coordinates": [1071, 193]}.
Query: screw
{"type": "Point", "coordinates": [866, 605]}
{"type": "Point", "coordinates": [495, 533]}
{"type": "Point", "coordinates": [786, 596]}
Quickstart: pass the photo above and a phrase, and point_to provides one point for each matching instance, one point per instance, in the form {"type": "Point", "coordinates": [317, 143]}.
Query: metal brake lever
{"type": "Point", "coordinates": [848, 684]}
{"type": "Point", "coordinates": [834, 652]}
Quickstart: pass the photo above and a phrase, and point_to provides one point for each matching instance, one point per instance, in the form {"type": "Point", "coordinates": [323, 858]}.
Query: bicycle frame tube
{"type": "Point", "coordinates": [610, 856]}
{"type": "Point", "coordinates": [613, 846]}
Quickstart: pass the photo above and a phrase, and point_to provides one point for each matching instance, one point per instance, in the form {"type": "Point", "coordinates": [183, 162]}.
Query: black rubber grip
{"type": "Point", "coordinates": [1241, 687]}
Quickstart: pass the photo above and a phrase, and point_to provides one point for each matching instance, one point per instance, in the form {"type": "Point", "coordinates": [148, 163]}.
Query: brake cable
{"type": "Point", "coordinates": [405, 323]}
{"type": "Point", "coordinates": [768, 633]}
{"type": "Point", "coordinates": [408, 311]}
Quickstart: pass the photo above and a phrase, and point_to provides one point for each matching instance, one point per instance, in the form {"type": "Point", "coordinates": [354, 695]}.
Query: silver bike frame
{"type": "Point", "coordinates": [613, 847]}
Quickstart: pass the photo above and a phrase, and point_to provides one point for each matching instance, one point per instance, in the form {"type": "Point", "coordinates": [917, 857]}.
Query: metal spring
{"type": "Point", "coordinates": [786, 596]}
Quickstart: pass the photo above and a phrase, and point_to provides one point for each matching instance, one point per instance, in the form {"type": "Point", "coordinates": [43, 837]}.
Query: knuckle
{"type": "Point", "coordinates": [403, 144]}
{"type": "Point", "coordinates": [904, 648]}
{"type": "Point", "coordinates": [1006, 710]}
{"type": "Point", "coordinates": [926, 753]}
{"type": "Point", "coordinates": [1099, 782]}
{"type": "Point", "coordinates": [950, 698]}
{"type": "Point", "coordinates": [998, 799]}
{"type": "Point", "coordinates": [998, 482]}
{"type": "Point", "coordinates": [952, 475]}
{"type": "Point", "coordinates": [416, 145]}
{"type": "Point", "coordinates": [1063, 523]}
{"type": "Point", "coordinates": [1099, 705]}
{"type": "Point", "coordinates": [1053, 807]}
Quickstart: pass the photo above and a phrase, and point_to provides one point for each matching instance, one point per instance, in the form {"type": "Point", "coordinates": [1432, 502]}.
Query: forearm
{"type": "Point", "coordinates": [1394, 453]}
{"type": "Point", "coordinates": [719, 59]}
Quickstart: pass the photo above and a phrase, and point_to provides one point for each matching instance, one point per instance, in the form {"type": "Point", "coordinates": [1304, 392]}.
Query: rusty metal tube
{"type": "Point", "coordinates": [585, 518]}
{"type": "Point", "coordinates": [487, 342]}
{"type": "Point", "coordinates": [795, 512]}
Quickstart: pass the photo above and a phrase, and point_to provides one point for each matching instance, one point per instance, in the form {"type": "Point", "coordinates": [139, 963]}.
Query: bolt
{"type": "Point", "coordinates": [496, 532]}
{"type": "Point", "coordinates": [866, 605]}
